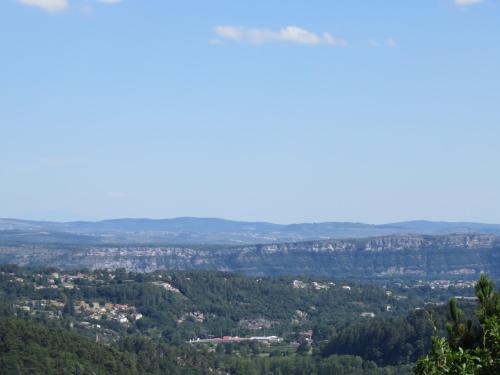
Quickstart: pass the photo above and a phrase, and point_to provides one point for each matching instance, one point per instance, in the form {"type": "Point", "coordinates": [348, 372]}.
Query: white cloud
{"type": "Point", "coordinates": [60, 5]}
{"type": "Point", "coordinates": [467, 2]}
{"type": "Point", "coordinates": [391, 43]}
{"type": "Point", "coordinates": [289, 34]}
{"type": "Point", "coordinates": [109, 1]}
{"type": "Point", "coordinates": [48, 5]}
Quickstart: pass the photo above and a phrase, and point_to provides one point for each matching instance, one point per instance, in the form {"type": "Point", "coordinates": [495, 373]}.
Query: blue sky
{"type": "Point", "coordinates": [286, 111]}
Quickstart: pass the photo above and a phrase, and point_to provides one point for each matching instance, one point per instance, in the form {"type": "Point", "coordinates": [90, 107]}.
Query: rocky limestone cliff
{"type": "Point", "coordinates": [430, 256]}
{"type": "Point", "coordinates": [385, 243]}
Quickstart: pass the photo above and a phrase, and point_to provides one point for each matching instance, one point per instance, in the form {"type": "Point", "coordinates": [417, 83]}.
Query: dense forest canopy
{"type": "Point", "coordinates": [111, 322]}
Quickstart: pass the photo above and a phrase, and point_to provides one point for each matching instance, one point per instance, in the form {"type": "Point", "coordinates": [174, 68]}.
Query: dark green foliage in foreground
{"type": "Point", "coordinates": [466, 351]}
{"type": "Point", "coordinates": [389, 341]}
{"type": "Point", "coordinates": [30, 348]}
{"type": "Point", "coordinates": [341, 365]}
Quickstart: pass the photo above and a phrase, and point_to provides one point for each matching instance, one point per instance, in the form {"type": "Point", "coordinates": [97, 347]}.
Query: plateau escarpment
{"type": "Point", "coordinates": [464, 255]}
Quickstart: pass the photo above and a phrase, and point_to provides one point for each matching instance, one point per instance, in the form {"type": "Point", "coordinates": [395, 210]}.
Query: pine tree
{"type": "Point", "coordinates": [461, 354]}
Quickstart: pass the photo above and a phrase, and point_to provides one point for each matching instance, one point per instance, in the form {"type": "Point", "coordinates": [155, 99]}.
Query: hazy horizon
{"type": "Point", "coordinates": [249, 221]}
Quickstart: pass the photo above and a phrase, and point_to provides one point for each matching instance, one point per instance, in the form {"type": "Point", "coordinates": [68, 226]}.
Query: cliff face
{"type": "Point", "coordinates": [386, 243]}
{"type": "Point", "coordinates": [406, 255]}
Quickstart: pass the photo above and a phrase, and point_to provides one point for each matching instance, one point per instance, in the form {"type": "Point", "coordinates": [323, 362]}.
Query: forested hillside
{"type": "Point", "coordinates": [114, 322]}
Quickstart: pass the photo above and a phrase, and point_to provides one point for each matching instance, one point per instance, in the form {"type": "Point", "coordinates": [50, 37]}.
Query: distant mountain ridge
{"type": "Point", "coordinates": [191, 230]}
